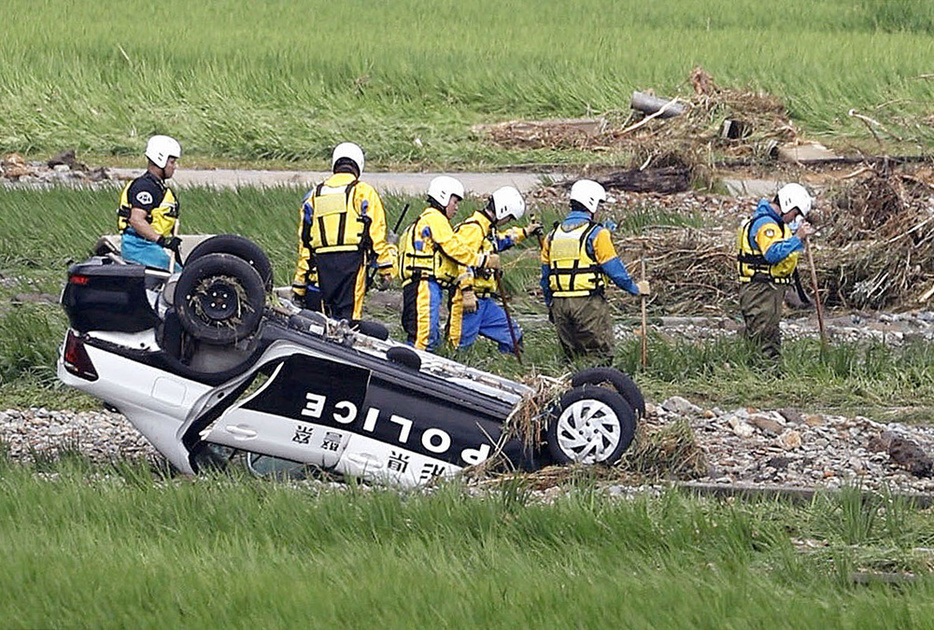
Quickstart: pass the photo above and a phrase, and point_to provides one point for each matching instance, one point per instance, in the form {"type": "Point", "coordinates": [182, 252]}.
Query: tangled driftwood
{"type": "Point", "coordinates": [692, 135]}
{"type": "Point", "coordinates": [876, 244]}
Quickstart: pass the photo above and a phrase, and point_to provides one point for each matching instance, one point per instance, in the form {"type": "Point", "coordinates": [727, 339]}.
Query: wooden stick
{"type": "Point", "coordinates": [174, 255]}
{"type": "Point", "coordinates": [502, 296]}
{"type": "Point", "coordinates": [645, 335]}
{"type": "Point", "coordinates": [820, 310]}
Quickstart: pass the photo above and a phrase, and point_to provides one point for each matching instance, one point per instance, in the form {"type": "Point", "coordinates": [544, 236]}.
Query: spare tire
{"type": "Point", "coordinates": [623, 385]}
{"type": "Point", "coordinates": [238, 246]}
{"type": "Point", "coordinates": [219, 299]}
{"type": "Point", "coordinates": [590, 425]}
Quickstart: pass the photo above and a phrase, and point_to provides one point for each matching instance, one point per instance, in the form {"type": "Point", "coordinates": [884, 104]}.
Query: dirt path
{"type": "Point", "coordinates": [402, 183]}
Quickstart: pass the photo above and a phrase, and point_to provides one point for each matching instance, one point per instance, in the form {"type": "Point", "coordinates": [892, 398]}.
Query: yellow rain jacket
{"type": "Point", "coordinates": [429, 248]}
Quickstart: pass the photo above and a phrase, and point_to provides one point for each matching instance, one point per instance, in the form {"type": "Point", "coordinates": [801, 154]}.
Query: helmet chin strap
{"type": "Point", "coordinates": [490, 212]}
{"type": "Point", "coordinates": [158, 171]}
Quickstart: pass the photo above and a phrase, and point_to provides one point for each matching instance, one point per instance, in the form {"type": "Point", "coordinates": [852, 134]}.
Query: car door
{"type": "Point", "coordinates": [368, 418]}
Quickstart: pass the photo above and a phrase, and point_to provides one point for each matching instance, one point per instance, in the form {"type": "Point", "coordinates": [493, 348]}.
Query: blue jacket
{"type": "Point", "coordinates": [780, 250]}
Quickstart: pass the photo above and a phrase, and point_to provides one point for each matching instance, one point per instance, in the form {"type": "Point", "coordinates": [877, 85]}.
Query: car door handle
{"type": "Point", "coordinates": [241, 431]}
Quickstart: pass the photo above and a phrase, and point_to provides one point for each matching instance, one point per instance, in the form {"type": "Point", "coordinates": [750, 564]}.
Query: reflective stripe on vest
{"type": "Point", "coordinates": [573, 272]}
{"type": "Point", "coordinates": [751, 265]}
{"type": "Point", "coordinates": [336, 226]}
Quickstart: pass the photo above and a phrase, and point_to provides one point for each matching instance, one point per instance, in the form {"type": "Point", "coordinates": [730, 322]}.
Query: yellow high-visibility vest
{"type": "Point", "coordinates": [162, 217]}
{"type": "Point", "coordinates": [751, 265]}
{"type": "Point", "coordinates": [573, 273]}
{"type": "Point", "coordinates": [336, 225]}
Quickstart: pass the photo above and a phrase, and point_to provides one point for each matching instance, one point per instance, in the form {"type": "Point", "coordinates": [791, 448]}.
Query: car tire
{"type": "Point", "coordinates": [219, 299]}
{"type": "Point", "coordinates": [623, 385]}
{"type": "Point", "coordinates": [590, 425]}
{"type": "Point", "coordinates": [241, 248]}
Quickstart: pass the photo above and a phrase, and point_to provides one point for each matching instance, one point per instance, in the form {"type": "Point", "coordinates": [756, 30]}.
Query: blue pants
{"type": "Point", "coordinates": [139, 250]}
{"type": "Point", "coordinates": [488, 320]}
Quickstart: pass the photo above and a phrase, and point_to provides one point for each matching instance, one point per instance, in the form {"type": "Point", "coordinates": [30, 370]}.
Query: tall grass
{"type": "Point", "coordinates": [35, 252]}
{"type": "Point", "coordinates": [126, 548]}
{"type": "Point", "coordinates": [407, 79]}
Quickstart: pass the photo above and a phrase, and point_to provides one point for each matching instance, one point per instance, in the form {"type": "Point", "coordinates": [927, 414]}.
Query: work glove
{"type": "Point", "coordinates": [469, 300]}
{"type": "Point", "coordinates": [644, 288]}
{"type": "Point", "coordinates": [532, 228]}
{"type": "Point", "coordinates": [171, 242]}
{"type": "Point", "coordinates": [489, 261]}
{"type": "Point", "coordinates": [383, 281]}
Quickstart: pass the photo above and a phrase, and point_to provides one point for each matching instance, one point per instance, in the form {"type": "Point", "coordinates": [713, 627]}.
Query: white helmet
{"type": "Point", "coordinates": [160, 148]}
{"type": "Point", "coordinates": [791, 196]}
{"type": "Point", "coordinates": [588, 193]}
{"type": "Point", "coordinates": [508, 203]}
{"type": "Point", "coordinates": [349, 151]}
{"type": "Point", "coordinates": [443, 187]}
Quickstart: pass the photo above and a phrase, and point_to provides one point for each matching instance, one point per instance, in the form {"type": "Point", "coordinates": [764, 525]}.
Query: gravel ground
{"type": "Point", "coordinates": [742, 446]}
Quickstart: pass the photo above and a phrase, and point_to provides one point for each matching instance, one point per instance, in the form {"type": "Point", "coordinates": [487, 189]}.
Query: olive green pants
{"type": "Point", "coordinates": [761, 306]}
{"type": "Point", "coordinates": [584, 325]}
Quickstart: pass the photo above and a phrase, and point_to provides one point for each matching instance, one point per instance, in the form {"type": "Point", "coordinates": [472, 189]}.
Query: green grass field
{"type": "Point", "coordinates": [278, 84]}
{"type": "Point", "coordinates": [124, 548]}
{"type": "Point", "coordinates": [284, 82]}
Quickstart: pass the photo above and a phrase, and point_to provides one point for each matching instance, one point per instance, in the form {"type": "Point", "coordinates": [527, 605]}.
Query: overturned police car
{"type": "Point", "coordinates": [212, 367]}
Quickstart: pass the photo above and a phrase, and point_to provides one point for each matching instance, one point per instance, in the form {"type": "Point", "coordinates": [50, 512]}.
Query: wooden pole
{"type": "Point", "coordinates": [645, 334]}
{"type": "Point", "coordinates": [820, 310]}
{"type": "Point", "coordinates": [175, 255]}
{"type": "Point", "coordinates": [502, 296]}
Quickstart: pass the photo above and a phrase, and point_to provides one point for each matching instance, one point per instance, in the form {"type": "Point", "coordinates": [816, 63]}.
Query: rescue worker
{"type": "Point", "coordinates": [474, 307]}
{"type": "Point", "coordinates": [148, 211]}
{"type": "Point", "coordinates": [428, 250]}
{"type": "Point", "coordinates": [768, 246]}
{"type": "Point", "coordinates": [577, 258]}
{"type": "Point", "coordinates": [342, 232]}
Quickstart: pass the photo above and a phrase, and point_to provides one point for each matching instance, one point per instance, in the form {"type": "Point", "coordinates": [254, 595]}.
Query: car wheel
{"type": "Point", "coordinates": [623, 385]}
{"type": "Point", "coordinates": [219, 299]}
{"type": "Point", "coordinates": [591, 425]}
{"type": "Point", "coordinates": [241, 248]}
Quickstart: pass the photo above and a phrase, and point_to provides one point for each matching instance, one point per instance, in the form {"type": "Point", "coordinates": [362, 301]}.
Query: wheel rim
{"type": "Point", "coordinates": [588, 431]}
{"type": "Point", "coordinates": [219, 301]}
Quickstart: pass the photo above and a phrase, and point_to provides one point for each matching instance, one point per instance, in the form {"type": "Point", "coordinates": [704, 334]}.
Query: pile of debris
{"type": "Point", "coordinates": [692, 268]}
{"type": "Point", "coordinates": [875, 248]}
{"type": "Point", "coordinates": [736, 123]}
{"type": "Point", "coordinates": [62, 168]}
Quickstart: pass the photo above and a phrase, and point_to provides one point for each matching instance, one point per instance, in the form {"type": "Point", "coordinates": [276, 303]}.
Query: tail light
{"type": "Point", "coordinates": [75, 358]}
